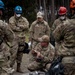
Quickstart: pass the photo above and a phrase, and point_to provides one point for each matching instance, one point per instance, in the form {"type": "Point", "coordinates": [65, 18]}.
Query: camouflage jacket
{"type": "Point", "coordinates": [65, 38]}
{"type": "Point", "coordinates": [9, 41]}
{"type": "Point", "coordinates": [38, 29]}
{"type": "Point", "coordinates": [48, 52]}
{"type": "Point", "coordinates": [19, 26]}
{"type": "Point", "coordinates": [57, 22]}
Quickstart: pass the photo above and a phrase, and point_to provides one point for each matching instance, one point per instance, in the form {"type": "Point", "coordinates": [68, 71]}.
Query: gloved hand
{"type": "Point", "coordinates": [29, 44]}
{"type": "Point", "coordinates": [39, 57]}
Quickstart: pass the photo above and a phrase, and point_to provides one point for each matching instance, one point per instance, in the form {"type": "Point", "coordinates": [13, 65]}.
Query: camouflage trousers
{"type": "Point", "coordinates": [69, 65]}
{"type": "Point", "coordinates": [19, 57]}
{"type": "Point", "coordinates": [3, 72]}
{"type": "Point", "coordinates": [13, 55]}
{"type": "Point", "coordinates": [69, 69]}
{"type": "Point", "coordinates": [38, 66]}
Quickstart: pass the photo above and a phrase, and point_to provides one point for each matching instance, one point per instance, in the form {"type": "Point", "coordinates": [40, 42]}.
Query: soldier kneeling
{"type": "Point", "coordinates": [42, 55]}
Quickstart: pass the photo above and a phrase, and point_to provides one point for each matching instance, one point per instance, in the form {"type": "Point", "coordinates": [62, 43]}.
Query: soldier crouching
{"type": "Point", "coordinates": [42, 55]}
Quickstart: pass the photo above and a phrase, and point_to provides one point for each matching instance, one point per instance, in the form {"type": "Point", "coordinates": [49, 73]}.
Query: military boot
{"type": "Point", "coordinates": [19, 68]}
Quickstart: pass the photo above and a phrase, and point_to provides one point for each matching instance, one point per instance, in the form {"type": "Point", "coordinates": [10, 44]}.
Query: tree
{"type": "Point", "coordinates": [45, 11]}
{"type": "Point", "coordinates": [52, 11]}
{"type": "Point", "coordinates": [27, 5]}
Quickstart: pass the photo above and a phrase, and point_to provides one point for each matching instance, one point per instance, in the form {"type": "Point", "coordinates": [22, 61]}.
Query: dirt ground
{"type": "Point", "coordinates": [25, 62]}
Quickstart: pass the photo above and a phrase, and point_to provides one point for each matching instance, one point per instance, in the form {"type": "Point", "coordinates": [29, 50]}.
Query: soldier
{"type": "Point", "coordinates": [62, 17]}
{"type": "Point", "coordinates": [19, 25]}
{"type": "Point", "coordinates": [62, 12]}
{"type": "Point", "coordinates": [42, 55]}
{"type": "Point", "coordinates": [38, 29]}
{"type": "Point", "coordinates": [65, 37]}
{"type": "Point", "coordinates": [7, 44]}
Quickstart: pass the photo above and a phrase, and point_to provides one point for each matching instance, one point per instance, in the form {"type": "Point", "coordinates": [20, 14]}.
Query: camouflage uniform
{"type": "Point", "coordinates": [37, 30]}
{"type": "Point", "coordinates": [65, 37]}
{"type": "Point", "coordinates": [47, 53]}
{"type": "Point", "coordinates": [19, 27]}
{"type": "Point", "coordinates": [7, 44]}
{"type": "Point", "coordinates": [56, 23]}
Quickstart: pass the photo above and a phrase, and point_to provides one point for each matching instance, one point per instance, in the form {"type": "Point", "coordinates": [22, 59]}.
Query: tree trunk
{"type": "Point", "coordinates": [63, 2]}
{"type": "Point", "coordinates": [39, 3]}
{"type": "Point", "coordinates": [52, 12]}
{"type": "Point", "coordinates": [45, 11]}
{"type": "Point", "coordinates": [36, 2]}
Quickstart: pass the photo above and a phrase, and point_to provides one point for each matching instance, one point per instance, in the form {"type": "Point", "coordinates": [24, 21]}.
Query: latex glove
{"type": "Point", "coordinates": [29, 43]}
